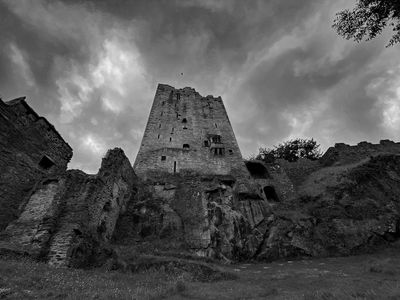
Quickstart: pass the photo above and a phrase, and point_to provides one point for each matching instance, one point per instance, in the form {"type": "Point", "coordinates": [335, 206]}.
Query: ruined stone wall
{"type": "Point", "coordinates": [273, 176]}
{"type": "Point", "coordinates": [68, 216]}
{"type": "Point", "coordinates": [342, 154]}
{"type": "Point", "coordinates": [186, 131]}
{"type": "Point", "coordinates": [30, 148]}
{"type": "Point", "coordinates": [298, 171]}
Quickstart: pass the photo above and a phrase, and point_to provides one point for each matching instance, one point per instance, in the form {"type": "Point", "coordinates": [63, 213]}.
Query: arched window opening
{"type": "Point", "coordinates": [206, 144]}
{"type": "Point", "coordinates": [170, 139]}
{"type": "Point", "coordinates": [230, 152]}
{"type": "Point", "coordinates": [184, 120]}
{"type": "Point", "coordinates": [186, 147]}
{"type": "Point", "coordinates": [270, 193]}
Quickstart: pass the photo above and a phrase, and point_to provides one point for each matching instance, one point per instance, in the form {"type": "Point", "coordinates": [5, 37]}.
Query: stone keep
{"type": "Point", "coordinates": [188, 132]}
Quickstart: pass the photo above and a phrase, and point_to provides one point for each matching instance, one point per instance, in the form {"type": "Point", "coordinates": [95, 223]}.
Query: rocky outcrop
{"type": "Point", "coordinates": [207, 215]}
{"type": "Point", "coordinates": [340, 211]}
{"type": "Point", "coordinates": [69, 218]}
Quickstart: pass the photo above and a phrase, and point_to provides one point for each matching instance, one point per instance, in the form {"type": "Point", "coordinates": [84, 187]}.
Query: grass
{"type": "Point", "coordinates": [30, 280]}
{"type": "Point", "coordinates": [359, 277]}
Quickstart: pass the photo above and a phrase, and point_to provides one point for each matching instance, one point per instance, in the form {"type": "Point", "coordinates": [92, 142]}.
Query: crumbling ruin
{"type": "Point", "coordinates": [192, 192]}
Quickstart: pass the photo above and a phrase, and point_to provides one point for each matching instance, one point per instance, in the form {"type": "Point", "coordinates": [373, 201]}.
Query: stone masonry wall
{"type": "Point", "coordinates": [186, 131]}
{"type": "Point", "coordinates": [69, 216]}
{"type": "Point", "coordinates": [342, 154]}
{"type": "Point", "coordinates": [25, 140]}
{"type": "Point", "coordinates": [298, 171]}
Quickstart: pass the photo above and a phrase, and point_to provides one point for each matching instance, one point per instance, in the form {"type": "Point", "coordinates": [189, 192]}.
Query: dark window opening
{"type": "Point", "coordinates": [215, 125]}
{"type": "Point", "coordinates": [184, 120]}
{"type": "Point", "coordinates": [46, 163]}
{"type": "Point", "coordinates": [219, 151]}
{"type": "Point", "coordinates": [107, 206]}
{"type": "Point", "coordinates": [172, 131]}
{"type": "Point", "coordinates": [184, 127]}
{"type": "Point", "coordinates": [158, 136]}
{"type": "Point", "coordinates": [170, 139]}
{"type": "Point", "coordinates": [230, 152]}
{"type": "Point", "coordinates": [178, 96]}
{"type": "Point", "coordinates": [159, 126]}
{"type": "Point", "coordinates": [257, 170]}
{"type": "Point", "coordinates": [186, 147]}
{"type": "Point", "coordinates": [206, 144]}
{"type": "Point", "coordinates": [163, 158]}
{"type": "Point", "coordinates": [162, 103]}
{"type": "Point", "coordinates": [270, 193]}
{"type": "Point", "coordinates": [216, 139]}
{"type": "Point", "coordinates": [174, 167]}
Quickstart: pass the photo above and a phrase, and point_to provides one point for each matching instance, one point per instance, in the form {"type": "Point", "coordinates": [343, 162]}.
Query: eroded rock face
{"type": "Point", "coordinates": [69, 217]}
{"type": "Point", "coordinates": [208, 216]}
{"type": "Point", "coordinates": [340, 211]}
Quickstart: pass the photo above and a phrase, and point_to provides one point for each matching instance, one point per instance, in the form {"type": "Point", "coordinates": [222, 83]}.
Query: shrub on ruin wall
{"type": "Point", "coordinates": [291, 151]}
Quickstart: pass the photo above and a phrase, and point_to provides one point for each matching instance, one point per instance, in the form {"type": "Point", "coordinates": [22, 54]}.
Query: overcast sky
{"type": "Point", "coordinates": [92, 67]}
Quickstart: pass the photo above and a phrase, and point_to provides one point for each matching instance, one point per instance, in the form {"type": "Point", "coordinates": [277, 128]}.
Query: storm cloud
{"type": "Point", "coordinates": [92, 67]}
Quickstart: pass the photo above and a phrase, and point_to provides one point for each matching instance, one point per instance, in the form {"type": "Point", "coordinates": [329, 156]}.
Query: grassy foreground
{"type": "Point", "coordinates": [360, 277]}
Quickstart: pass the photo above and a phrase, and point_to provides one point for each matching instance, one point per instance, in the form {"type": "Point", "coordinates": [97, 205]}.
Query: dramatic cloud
{"type": "Point", "coordinates": [91, 67]}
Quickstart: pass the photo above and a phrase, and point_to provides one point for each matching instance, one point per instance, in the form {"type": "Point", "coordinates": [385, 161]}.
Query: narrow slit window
{"type": "Point", "coordinates": [158, 136]}
{"type": "Point", "coordinates": [215, 125]}
{"type": "Point", "coordinates": [170, 139]}
{"type": "Point", "coordinates": [178, 96]}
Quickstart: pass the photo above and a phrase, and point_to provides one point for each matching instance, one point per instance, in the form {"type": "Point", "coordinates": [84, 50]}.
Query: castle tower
{"type": "Point", "coordinates": [188, 132]}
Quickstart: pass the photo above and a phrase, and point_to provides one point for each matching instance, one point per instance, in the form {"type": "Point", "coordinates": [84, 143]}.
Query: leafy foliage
{"type": "Point", "coordinates": [368, 19]}
{"type": "Point", "coordinates": [291, 150]}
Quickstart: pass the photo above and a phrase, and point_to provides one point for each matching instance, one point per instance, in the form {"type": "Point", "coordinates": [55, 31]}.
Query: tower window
{"type": "Point", "coordinates": [46, 163]}
{"type": "Point", "coordinates": [230, 152]}
{"type": "Point", "coordinates": [215, 125]}
{"type": "Point", "coordinates": [186, 147]}
{"type": "Point", "coordinates": [159, 126]}
{"type": "Point", "coordinates": [206, 144]}
{"type": "Point", "coordinates": [219, 151]}
{"type": "Point", "coordinates": [184, 120]}
{"type": "Point", "coordinates": [158, 136]}
{"type": "Point", "coordinates": [216, 139]}
{"type": "Point", "coordinates": [163, 158]}
{"type": "Point", "coordinates": [170, 139]}
{"type": "Point", "coordinates": [178, 96]}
